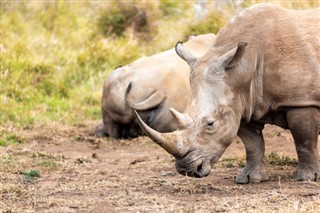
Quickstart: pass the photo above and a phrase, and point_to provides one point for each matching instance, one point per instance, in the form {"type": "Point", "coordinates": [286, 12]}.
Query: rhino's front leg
{"type": "Point", "coordinates": [304, 124]}
{"type": "Point", "coordinates": [253, 140]}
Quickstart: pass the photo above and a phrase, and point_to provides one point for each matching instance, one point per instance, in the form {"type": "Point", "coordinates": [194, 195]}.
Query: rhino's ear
{"type": "Point", "coordinates": [233, 57]}
{"type": "Point", "coordinates": [185, 54]}
{"type": "Point", "coordinates": [152, 101]}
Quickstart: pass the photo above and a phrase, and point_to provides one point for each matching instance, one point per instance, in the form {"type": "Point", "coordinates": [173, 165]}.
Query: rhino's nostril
{"type": "Point", "coordinates": [199, 169]}
{"type": "Point", "coordinates": [203, 169]}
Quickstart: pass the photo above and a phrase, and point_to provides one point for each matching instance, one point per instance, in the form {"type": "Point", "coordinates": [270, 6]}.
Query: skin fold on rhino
{"type": "Point", "coordinates": [262, 69]}
{"type": "Point", "coordinates": [158, 82]}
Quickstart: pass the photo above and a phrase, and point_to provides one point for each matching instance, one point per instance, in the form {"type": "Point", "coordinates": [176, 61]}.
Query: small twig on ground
{"type": "Point", "coordinates": [191, 186]}
{"type": "Point", "coordinates": [281, 191]}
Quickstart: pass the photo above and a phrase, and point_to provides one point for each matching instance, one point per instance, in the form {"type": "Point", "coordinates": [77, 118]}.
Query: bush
{"type": "Point", "coordinates": [104, 54]}
{"type": "Point", "coordinates": [171, 8]}
{"type": "Point", "coordinates": [115, 19]}
{"type": "Point", "coordinates": [210, 23]}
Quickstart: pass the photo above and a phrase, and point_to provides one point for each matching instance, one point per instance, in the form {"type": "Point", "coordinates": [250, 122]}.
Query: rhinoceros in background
{"type": "Point", "coordinates": [263, 68]}
{"type": "Point", "coordinates": [158, 82]}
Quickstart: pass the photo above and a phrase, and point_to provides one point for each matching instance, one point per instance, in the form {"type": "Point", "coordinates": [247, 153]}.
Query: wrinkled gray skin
{"type": "Point", "coordinates": [158, 82]}
{"type": "Point", "coordinates": [262, 69]}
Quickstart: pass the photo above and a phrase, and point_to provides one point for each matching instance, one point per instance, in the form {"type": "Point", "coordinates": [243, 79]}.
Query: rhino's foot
{"type": "Point", "coordinates": [304, 173]}
{"type": "Point", "coordinates": [100, 131]}
{"type": "Point", "coordinates": [251, 175]}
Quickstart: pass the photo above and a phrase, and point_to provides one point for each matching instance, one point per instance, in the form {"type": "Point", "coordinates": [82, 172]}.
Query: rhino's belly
{"type": "Point", "coordinates": [295, 103]}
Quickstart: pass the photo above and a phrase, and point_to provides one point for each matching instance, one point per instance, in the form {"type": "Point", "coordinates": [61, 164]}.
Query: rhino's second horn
{"type": "Point", "coordinates": [184, 121]}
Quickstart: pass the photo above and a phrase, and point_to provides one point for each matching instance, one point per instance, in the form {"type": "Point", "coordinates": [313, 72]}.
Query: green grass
{"type": "Point", "coordinates": [53, 62]}
{"type": "Point", "coordinates": [279, 160]}
{"type": "Point", "coordinates": [233, 162]}
{"type": "Point", "coordinates": [55, 55]}
{"type": "Point", "coordinates": [30, 175]}
{"type": "Point", "coordinates": [10, 139]}
{"type": "Point", "coordinates": [7, 162]}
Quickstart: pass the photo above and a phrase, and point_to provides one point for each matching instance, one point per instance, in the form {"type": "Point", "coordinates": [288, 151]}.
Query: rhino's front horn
{"type": "Point", "coordinates": [167, 141]}
{"type": "Point", "coordinates": [183, 120]}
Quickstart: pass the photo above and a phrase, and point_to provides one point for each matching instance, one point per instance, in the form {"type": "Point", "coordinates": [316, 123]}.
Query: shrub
{"type": "Point", "coordinates": [171, 8]}
{"type": "Point", "coordinates": [116, 18]}
{"type": "Point", "coordinates": [210, 23]}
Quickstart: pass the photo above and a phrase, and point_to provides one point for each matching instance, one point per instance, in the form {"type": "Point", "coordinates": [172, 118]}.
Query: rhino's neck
{"type": "Point", "coordinates": [256, 92]}
{"type": "Point", "coordinates": [250, 90]}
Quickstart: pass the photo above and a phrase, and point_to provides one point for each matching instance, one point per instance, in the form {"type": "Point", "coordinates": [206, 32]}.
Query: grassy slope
{"type": "Point", "coordinates": [54, 60]}
{"type": "Point", "coordinates": [55, 56]}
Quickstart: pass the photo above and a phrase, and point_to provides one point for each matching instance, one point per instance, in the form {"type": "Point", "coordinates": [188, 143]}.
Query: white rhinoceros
{"type": "Point", "coordinates": [158, 82]}
{"type": "Point", "coordinates": [263, 69]}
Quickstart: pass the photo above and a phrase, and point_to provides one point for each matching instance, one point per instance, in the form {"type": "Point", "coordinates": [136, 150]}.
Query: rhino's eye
{"type": "Point", "coordinates": [210, 123]}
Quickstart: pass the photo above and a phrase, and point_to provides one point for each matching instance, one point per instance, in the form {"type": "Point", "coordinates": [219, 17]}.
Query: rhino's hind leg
{"type": "Point", "coordinates": [304, 124]}
{"type": "Point", "coordinates": [254, 144]}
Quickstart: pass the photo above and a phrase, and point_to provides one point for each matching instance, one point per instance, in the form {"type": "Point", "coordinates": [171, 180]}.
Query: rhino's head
{"type": "Point", "coordinates": [212, 117]}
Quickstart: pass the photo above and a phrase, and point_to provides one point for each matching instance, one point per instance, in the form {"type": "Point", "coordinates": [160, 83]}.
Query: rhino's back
{"type": "Point", "coordinates": [284, 52]}
{"type": "Point", "coordinates": [155, 73]}
{"type": "Point", "coordinates": [292, 61]}
{"type": "Point", "coordinates": [164, 72]}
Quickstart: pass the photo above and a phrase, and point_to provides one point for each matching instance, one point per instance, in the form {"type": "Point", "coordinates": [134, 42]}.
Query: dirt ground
{"type": "Point", "coordinates": [80, 173]}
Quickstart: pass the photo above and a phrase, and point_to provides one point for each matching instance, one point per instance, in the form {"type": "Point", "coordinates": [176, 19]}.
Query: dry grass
{"type": "Point", "coordinates": [135, 176]}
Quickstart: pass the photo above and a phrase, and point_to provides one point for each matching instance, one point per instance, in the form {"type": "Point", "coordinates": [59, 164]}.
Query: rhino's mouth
{"type": "Point", "coordinates": [193, 165]}
{"type": "Point", "coordinates": [202, 170]}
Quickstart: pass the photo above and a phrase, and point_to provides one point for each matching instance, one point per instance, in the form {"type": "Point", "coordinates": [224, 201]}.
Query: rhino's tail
{"type": "Point", "coordinates": [153, 100]}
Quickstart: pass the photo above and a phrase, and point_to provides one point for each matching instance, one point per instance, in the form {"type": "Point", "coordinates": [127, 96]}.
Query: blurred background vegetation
{"type": "Point", "coordinates": [55, 55]}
